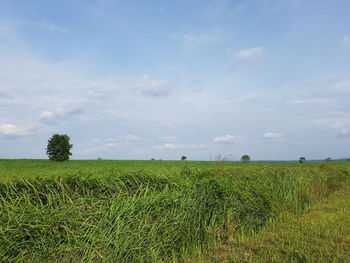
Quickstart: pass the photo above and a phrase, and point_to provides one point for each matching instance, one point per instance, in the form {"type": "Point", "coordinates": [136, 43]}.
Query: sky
{"type": "Point", "coordinates": [142, 79]}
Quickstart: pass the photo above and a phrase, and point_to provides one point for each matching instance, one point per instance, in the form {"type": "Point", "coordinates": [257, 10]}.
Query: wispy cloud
{"type": "Point", "coordinates": [167, 138]}
{"type": "Point", "coordinates": [58, 113]}
{"type": "Point", "coordinates": [249, 53]}
{"type": "Point", "coordinates": [344, 133]}
{"type": "Point", "coordinates": [8, 35]}
{"type": "Point", "coordinates": [270, 6]}
{"type": "Point", "coordinates": [227, 139]}
{"type": "Point", "coordinates": [153, 88]}
{"type": "Point", "coordinates": [131, 137]}
{"type": "Point", "coordinates": [101, 148]}
{"type": "Point", "coordinates": [171, 146]}
{"type": "Point", "coordinates": [44, 25]}
{"type": "Point", "coordinates": [4, 95]}
{"type": "Point", "coordinates": [309, 101]}
{"type": "Point", "coordinates": [193, 40]}
{"type": "Point", "coordinates": [346, 40]}
{"type": "Point", "coordinates": [272, 135]}
{"type": "Point", "coordinates": [219, 10]}
{"type": "Point", "coordinates": [336, 122]}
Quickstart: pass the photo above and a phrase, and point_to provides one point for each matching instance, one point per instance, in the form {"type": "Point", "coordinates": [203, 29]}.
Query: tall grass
{"type": "Point", "coordinates": [146, 216]}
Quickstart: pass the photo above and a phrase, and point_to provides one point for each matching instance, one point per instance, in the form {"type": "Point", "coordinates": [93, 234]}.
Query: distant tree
{"type": "Point", "coordinates": [183, 158]}
{"type": "Point", "coordinates": [99, 158]}
{"type": "Point", "coordinates": [302, 159]}
{"type": "Point", "coordinates": [58, 148]}
{"type": "Point", "coordinates": [328, 159]}
{"type": "Point", "coordinates": [245, 158]}
{"type": "Point", "coordinates": [152, 159]}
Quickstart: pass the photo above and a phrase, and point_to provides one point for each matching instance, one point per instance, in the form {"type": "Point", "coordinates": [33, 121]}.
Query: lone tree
{"type": "Point", "coordinates": [302, 159]}
{"type": "Point", "coordinates": [245, 158]}
{"type": "Point", "coordinates": [58, 148]}
{"type": "Point", "coordinates": [183, 158]}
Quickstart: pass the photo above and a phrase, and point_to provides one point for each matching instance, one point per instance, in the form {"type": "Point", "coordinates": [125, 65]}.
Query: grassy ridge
{"type": "Point", "coordinates": [91, 214]}
{"type": "Point", "coordinates": [322, 234]}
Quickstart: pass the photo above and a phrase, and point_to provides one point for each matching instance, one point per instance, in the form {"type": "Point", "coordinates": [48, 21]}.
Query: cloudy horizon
{"type": "Point", "coordinates": [154, 79]}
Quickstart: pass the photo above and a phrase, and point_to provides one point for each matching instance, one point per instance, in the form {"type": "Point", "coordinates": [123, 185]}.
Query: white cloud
{"type": "Point", "coordinates": [59, 113]}
{"type": "Point", "coordinates": [153, 88]}
{"type": "Point", "coordinates": [9, 129]}
{"type": "Point", "coordinates": [227, 139]}
{"type": "Point", "coordinates": [346, 40]}
{"type": "Point", "coordinates": [272, 135]}
{"type": "Point", "coordinates": [131, 137]}
{"type": "Point", "coordinates": [170, 146]}
{"type": "Point", "coordinates": [48, 115]}
{"type": "Point", "coordinates": [249, 53]}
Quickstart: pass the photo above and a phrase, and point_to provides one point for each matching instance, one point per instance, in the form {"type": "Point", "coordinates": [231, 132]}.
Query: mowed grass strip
{"type": "Point", "coordinates": [320, 235]}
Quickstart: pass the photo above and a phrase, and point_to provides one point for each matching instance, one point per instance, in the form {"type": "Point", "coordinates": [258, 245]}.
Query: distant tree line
{"type": "Point", "coordinates": [59, 149]}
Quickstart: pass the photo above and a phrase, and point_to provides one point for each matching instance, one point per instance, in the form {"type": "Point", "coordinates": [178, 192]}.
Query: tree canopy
{"type": "Point", "coordinates": [302, 159]}
{"type": "Point", "coordinates": [58, 148]}
{"type": "Point", "coordinates": [245, 158]}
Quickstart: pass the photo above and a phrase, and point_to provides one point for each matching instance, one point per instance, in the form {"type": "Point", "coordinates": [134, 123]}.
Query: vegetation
{"type": "Point", "coordinates": [320, 235]}
{"type": "Point", "coordinates": [302, 160]}
{"type": "Point", "coordinates": [245, 158]}
{"type": "Point", "coordinates": [147, 211]}
{"type": "Point", "coordinates": [183, 158]}
{"type": "Point", "coordinates": [58, 148]}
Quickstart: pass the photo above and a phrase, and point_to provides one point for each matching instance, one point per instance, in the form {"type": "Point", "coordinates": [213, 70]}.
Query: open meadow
{"type": "Point", "coordinates": [153, 211]}
{"type": "Point", "coordinates": [105, 106]}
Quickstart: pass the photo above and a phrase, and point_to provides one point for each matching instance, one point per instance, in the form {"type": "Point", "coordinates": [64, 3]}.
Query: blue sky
{"type": "Point", "coordinates": [162, 79]}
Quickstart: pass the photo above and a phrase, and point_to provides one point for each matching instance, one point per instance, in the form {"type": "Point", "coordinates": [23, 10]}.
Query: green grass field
{"type": "Point", "coordinates": [321, 234]}
{"type": "Point", "coordinates": [157, 211]}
